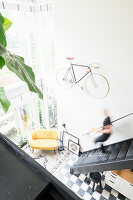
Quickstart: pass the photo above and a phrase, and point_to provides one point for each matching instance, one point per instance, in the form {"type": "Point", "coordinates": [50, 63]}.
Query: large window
{"type": "Point", "coordinates": [30, 36]}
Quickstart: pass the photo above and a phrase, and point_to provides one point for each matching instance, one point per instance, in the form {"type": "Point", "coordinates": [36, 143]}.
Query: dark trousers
{"type": "Point", "coordinates": [102, 138]}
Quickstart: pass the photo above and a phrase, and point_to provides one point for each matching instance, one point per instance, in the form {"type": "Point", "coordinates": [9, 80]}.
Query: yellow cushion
{"type": "Point", "coordinates": [44, 144]}
{"type": "Point", "coordinates": [45, 134]}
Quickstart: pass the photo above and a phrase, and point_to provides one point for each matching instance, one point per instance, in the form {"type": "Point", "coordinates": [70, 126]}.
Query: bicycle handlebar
{"type": "Point", "coordinates": [95, 65]}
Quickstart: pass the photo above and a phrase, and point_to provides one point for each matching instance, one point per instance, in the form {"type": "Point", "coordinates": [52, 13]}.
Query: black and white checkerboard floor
{"type": "Point", "coordinates": [79, 185]}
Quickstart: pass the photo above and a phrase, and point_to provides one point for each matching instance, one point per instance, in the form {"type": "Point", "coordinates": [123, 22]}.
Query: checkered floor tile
{"type": "Point", "coordinates": [79, 185]}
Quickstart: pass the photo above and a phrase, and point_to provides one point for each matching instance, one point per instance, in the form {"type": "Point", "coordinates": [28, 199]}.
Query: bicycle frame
{"type": "Point", "coordinates": [74, 76]}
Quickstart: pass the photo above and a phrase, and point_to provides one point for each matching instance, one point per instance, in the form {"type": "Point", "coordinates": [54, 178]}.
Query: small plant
{"type": "Point", "coordinates": [15, 64]}
{"type": "Point", "coordinates": [22, 142]}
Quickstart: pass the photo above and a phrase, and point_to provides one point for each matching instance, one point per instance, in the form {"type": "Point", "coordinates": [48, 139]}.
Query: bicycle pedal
{"type": "Point", "coordinates": [82, 88]}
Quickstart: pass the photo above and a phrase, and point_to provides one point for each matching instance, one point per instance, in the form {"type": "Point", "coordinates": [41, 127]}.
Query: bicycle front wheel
{"type": "Point", "coordinates": [64, 78]}
{"type": "Point", "coordinates": [97, 86]}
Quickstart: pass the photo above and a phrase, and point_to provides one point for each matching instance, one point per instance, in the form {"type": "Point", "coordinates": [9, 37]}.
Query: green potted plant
{"type": "Point", "coordinates": [14, 63]}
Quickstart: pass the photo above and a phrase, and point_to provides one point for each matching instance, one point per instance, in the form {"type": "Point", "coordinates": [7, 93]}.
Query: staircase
{"type": "Point", "coordinates": [117, 156]}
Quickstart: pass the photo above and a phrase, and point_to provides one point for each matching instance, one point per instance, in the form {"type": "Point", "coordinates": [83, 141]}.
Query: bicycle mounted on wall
{"type": "Point", "coordinates": [95, 84]}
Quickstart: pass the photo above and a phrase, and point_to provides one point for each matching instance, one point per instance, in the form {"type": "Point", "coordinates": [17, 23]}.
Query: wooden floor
{"type": "Point", "coordinates": [125, 174]}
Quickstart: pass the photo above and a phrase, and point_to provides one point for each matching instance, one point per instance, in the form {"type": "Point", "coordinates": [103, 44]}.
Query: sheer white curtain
{"type": "Point", "coordinates": [30, 36]}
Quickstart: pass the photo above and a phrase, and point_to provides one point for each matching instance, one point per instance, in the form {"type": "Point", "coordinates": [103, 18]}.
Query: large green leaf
{"type": "Point", "coordinates": [2, 33]}
{"type": "Point", "coordinates": [15, 64]}
{"type": "Point", "coordinates": [2, 62]}
{"type": "Point", "coordinates": [3, 100]}
{"type": "Point", "coordinates": [2, 50]}
{"type": "Point", "coordinates": [18, 57]}
{"type": "Point", "coordinates": [7, 24]}
{"type": "Point", "coordinates": [2, 18]}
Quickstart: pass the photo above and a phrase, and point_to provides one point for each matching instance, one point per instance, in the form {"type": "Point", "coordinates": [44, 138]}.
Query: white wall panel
{"type": "Point", "coordinates": [96, 31]}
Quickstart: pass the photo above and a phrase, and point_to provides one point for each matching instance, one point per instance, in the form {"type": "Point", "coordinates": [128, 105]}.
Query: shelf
{"type": "Point", "coordinates": [125, 174]}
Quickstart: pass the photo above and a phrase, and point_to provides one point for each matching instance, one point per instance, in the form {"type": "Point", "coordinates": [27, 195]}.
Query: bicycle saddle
{"type": "Point", "coordinates": [69, 58]}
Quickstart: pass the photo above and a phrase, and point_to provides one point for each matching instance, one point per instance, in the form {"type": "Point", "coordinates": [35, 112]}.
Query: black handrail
{"type": "Point", "coordinates": [111, 122]}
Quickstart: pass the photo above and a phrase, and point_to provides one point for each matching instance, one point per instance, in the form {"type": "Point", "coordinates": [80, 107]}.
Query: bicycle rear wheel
{"type": "Point", "coordinates": [97, 86]}
{"type": "Point", "coordinates": [64, 78]}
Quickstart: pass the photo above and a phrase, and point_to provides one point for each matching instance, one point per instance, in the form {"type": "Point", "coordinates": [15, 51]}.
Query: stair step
{"type": "Point", "coordinates": [130, 150]}
{"type": "Point", "coordinates": [93, 158]}
{"type": "Point", "coordinates": [108, 152]}
{"type": "Point", "coordinates": [81, 158]}
{"type": "Point", "coordinates": [98, 156]}
{"type": "Point", "coordinates": [91, 153]}
{"type": "Point", "coordinates": [110, 148]}
{"type": "Point", "coordinates": [115, 152]}
{"type": "Point", "coordinates": [85, 155]}
{"type": "Point", "coordinates": [123, 150]}
{"type": "Point", "coordinates": [78, 161]}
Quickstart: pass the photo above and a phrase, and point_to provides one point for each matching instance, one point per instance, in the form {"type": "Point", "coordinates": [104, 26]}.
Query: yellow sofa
{"type": "Point", "coordinates": [44, 139]}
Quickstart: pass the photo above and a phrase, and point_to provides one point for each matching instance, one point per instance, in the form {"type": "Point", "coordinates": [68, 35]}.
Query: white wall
{"type": "Point", "coordinates": [96, 31]}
